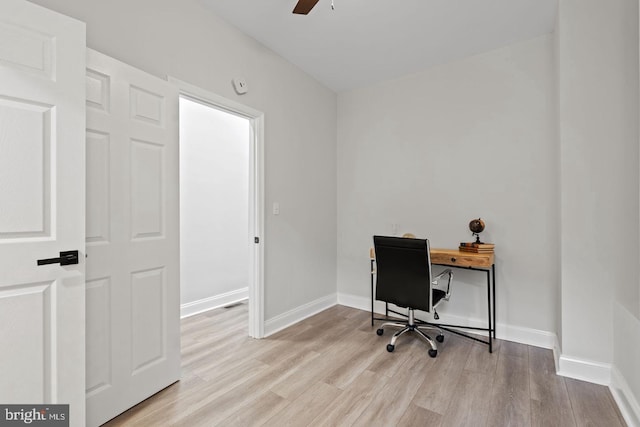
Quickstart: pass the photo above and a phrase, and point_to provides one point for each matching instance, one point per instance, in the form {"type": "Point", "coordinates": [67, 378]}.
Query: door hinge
{"type": "Point", "coordinates": [256, 240]}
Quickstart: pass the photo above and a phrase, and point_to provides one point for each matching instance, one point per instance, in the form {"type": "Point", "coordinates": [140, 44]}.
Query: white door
{"type": "Point", "coordinates": [133, 293]}
{"type": "Point", "coordinates": [42, 198]}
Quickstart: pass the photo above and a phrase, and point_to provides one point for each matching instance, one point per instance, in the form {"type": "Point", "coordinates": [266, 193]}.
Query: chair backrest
{"type": "Point", "coordinates": [403, 272]}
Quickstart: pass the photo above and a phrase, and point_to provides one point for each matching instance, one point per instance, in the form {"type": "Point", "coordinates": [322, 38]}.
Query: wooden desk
{"type": "Point", "coordinates": [483, 262]}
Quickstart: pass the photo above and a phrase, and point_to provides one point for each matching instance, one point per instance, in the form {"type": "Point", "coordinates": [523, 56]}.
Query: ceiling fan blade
{"type": "Point", "coordinates": [304, 6]}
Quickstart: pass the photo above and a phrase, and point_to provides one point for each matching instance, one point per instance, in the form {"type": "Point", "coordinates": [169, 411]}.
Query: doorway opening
{"type": "Point", "coordinates": [220, 205]}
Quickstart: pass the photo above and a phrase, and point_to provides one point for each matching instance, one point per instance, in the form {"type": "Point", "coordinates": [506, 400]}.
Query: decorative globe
{"type": "Point", "coordinates": [476, 226]}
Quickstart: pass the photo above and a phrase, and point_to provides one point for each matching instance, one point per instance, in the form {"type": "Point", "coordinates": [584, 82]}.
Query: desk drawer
{"type": "Point", "coordinates": [461, 259]}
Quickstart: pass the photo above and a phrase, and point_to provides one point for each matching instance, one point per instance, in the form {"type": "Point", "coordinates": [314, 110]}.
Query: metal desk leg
{"type": "Point", "coordinates": [489, 314]}
{"type": "Point", "coordinates": [372, 293]}
{"type": "Point", "coordinates": [493, 276]}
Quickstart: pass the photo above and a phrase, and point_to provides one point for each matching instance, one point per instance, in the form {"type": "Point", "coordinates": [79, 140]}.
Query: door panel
{"type": "Point", "coordinates": [146, 190]}
{"type": "Point", "coordinates": [27, 49]}
{"type": "Point", "coordinates": [99, 348]}
{"type": "Point", "coordinates": [25, 172]}
{"type": "Point", "coordinates": [29, 306]}
{"type": "Point", "coordinates": [147, 323]}
{"type": "Point", "coordinates": [42, 163]}
{"type": "Point", "coordinates": [133, 293]}
{"type": "Point", "coordinates": [98, 187]}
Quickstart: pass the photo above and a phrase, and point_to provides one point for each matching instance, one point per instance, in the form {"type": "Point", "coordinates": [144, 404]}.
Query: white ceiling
{"type": "Point", "coordinates": [366, 41]}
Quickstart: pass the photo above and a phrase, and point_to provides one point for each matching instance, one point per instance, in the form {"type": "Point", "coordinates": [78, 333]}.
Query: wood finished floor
{"type": "Point", "coordinates": [333, 370]}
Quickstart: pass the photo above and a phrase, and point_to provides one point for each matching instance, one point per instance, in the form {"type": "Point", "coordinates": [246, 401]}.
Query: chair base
{"type": "Point", "coordinates": [411, 326]}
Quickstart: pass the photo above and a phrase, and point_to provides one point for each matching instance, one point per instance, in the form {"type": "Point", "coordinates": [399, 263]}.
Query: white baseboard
{"type": "Point", "coordinates": [625, 399]}
{"type": "Point", "coordinates": [557, 352]}
{"type": "Point", "coordinates": [585, 370]}
{"type": "Point", "coordinates": [529, 336]}
{"type": "Point", "coordinates": [216, 301]}
{"type": "Point", "coordinates": [284, 320]}
{"type": "Point", "coordinates": [361, 303]}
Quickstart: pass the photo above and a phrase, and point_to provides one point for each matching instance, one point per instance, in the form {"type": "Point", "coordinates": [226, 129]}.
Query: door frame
{"type": "Point", "coordinates": [256, 192]}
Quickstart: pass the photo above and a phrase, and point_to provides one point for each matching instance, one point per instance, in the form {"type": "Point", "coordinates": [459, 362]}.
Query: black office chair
{"type": "Point", "coordinates": [403, 278]}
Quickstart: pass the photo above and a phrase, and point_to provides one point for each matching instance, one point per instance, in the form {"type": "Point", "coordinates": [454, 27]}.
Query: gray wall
{"type": "Point", "coordinates": [431, 151]}
{"type": "Point", "coordinates": [184, 40]}
{"type": "Point", "coordinates": [598, 118]}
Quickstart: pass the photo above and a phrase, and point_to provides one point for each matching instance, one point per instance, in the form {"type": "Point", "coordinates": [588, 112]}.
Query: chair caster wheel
{"type": "Point", "coordinates": [433, 353]}
{"type": "Point", "coordinates": [380, 331]}
{"type": "Point", "coordinates": [390, 347]}
{"type": "Point", "coordinates": [440, 338]}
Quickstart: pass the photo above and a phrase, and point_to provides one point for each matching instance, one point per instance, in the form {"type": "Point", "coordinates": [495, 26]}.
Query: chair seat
{"type": "Point", "coordinates": [438, 295]}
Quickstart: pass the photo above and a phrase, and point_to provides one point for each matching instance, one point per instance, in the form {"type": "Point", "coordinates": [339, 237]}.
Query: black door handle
{"type": "Point", "coordinates": [66, 258]}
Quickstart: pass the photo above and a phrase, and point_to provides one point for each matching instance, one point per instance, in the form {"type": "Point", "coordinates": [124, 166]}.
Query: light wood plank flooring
{"type": "Point", "coordinates": [333, 370]}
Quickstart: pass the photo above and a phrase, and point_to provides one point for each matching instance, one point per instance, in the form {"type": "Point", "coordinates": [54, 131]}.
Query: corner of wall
{"type": "Point", "coordinates": [215, 301]}
{"type": "Point", "coordinates": [625, 399]}
{"type": "Point", "coordinates": [585, 370]}
{"type": "Point", "coordinates": [625, 376]}
{"type": "Point", "coordinates": [291, 317]}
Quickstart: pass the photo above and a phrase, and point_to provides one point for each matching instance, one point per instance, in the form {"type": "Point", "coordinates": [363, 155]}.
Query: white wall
{"type": "Point", "coordinates": [558, 295]}
{"type": "Point", "coordinates": [598, 118]}
{"type": "Point", "coordinates": [214, 204]}
{"type": "Point", "coordinates": [186, 41]}
{"type": "Point", "coordinates": [431, 151]}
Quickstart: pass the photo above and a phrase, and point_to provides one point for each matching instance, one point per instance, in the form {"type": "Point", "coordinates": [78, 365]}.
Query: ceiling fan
{"type": "Point", "coordinates": [304, 6]}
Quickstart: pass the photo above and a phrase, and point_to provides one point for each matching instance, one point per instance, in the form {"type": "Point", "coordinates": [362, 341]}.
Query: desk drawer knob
{"type": "Point", "coordinates": [453, 259]}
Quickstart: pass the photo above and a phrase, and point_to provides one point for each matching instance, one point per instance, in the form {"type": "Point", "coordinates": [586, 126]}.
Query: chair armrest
{"type": "Point", "coordinates": [435, 280]}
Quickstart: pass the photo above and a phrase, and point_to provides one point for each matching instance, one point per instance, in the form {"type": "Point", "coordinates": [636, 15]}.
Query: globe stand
{"type": "Point", "coordinates": [478, 238]}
